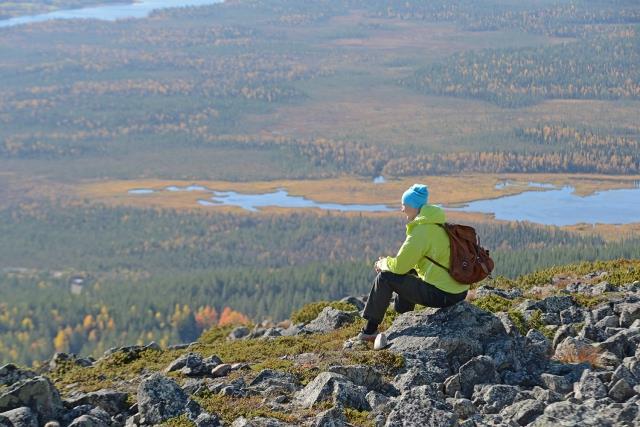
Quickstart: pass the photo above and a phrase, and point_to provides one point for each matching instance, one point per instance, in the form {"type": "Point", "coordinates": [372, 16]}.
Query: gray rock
{"type": "Point", "coordinates": [418, 407]}
{"type": "Point", "coordinates": [412, 378]}
{"type": "Point", "coordinates": [329, 320]}
{"type": "Point", "coordinates": [88, 421]}
{"type": "Point", "coordinates": [20, 417]}
{"type": "Point", "coordinates": [333, 417]}
{"type": "Point", "coordinates": [571, 414]}
{"type": "Point", "coordinates": [563, 332]}
{"type": "Point", "coordinates": [629, 312]}
{"type": "Point", "coordinates": [601, 312]}
{"type": "Point", "coordinates": [11, 374]}
{"type": "Point", "coordinates": [461, 331]}
{"type": "Point", "coordinates": [160, 398]}
{"type": "Point", "coordinates": [553, 304]}
{"type": "Point", "coordinates": [479, 370]}
{"type": "Point", "coordinates": [546, 396]}
{"type": "Point", "coordinates": [462, 408]}
{"type": "Point", "coordinates": [621, 391]}
{"type": "Point", "coordinates": [329, 385]}
{"type": "Point", "coordinates": [376, 400]}
{"type": "Point", "coordinates": [572, 315]}
{"type": "Point", "coordinates": [259, 422]}
{"type": "Point", "coordinates": [557, 383]}
{"type": "Point", "coordinates": [221, 370]}
{"type": "Point", "coordinates": [524, 412]}
{"type": "Point", "coordinates": [207, 420]}
{"type": "Point", "coordinates": [622, 372]}
{"type": "Point", "coordinates": [589, 386]}
{"type": "Point", "coordinates": [508, 324]}
{"type": "Point", "coordinates": [493, 398]}
{"type": "Point", "coordinates": [113, 402]}
{"type": "Point", "coordinates": [612, 321]}
{"type": "Point", "coordinates": [272, 381]}
{"type": "Point", "coordinates": [452, 385]}
{"type": "Point", "coordinates": [188, 360]}
{"type": "Point", "coordinates": [483, 291]}
{"type": "Point", "coordinates": [239, 333]}
{"type": "Point", "coordinates": [36, 393]}
{"type": "Point", "coordinates": [362, 375]}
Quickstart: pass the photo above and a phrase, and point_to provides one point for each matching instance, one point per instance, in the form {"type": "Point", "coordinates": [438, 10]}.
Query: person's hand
{"type": "Point", "coordinates": [376, 266]}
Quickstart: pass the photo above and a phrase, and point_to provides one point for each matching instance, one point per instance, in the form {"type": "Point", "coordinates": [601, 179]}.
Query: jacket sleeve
{"type": "Point", "coordinates": [408, 256]}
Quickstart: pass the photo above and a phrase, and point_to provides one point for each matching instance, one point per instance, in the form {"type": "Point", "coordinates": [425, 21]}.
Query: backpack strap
{"type": "Point", "coordinates": [433, 260]}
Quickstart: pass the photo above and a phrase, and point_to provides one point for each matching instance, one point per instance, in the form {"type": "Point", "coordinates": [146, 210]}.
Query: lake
{"type": "Point", "coordinates": [561, 206]}
{"type": "Point", "coordinates": [550, 206]}
{"type": "Point", "coordinates": [140, 9]}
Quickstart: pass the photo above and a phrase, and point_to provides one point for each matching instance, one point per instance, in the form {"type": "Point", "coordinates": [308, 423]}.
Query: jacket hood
{"type": "Point", "coordinates": [429, 214]}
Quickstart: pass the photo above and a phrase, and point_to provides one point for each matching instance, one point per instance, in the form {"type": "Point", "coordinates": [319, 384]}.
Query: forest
{"type": "Point", "coordinates": [165, 275]}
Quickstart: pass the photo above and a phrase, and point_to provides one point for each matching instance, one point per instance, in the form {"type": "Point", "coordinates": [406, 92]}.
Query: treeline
{"type": "Point", "coordinates": [604, 67]}
{"type": "Point", "coordinates": [562, 19]}
{"type": "Point", "coordinates": [162, 275]}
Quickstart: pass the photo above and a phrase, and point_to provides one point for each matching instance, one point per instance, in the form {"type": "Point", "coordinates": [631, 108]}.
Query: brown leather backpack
{"type": "Point", "coordinates": [470, 262]}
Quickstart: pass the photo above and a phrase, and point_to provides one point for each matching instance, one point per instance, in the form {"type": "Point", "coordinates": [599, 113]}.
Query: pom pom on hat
{"type": "Point", "coordinates": [416, 196]}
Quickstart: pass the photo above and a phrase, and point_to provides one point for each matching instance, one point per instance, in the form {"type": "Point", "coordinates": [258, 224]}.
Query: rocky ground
{"type": "Point", "coordinates": [565, 352]}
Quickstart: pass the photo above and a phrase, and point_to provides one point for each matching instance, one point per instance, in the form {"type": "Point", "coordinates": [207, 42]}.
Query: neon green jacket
{"type": "Point", "coordinates": [424, 238]}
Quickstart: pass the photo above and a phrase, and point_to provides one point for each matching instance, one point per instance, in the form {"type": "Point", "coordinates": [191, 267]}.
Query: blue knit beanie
{"type": "Point", "coordinates": [416, 196]}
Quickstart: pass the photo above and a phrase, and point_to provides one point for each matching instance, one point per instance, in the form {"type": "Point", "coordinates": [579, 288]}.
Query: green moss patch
{"type": "Point", "coordinates": [310, 311]}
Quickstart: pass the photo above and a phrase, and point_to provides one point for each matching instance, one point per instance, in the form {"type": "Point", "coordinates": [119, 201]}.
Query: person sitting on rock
{"type": "Point", "coordinates": [414, 278]}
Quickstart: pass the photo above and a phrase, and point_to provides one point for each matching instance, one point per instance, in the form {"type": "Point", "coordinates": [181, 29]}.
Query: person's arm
{"type": "Point", "coordinates": [408, 256]}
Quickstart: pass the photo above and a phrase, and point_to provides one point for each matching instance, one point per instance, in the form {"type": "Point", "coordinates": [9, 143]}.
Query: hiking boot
{"type": "Point", "coordinates": [367, 337]}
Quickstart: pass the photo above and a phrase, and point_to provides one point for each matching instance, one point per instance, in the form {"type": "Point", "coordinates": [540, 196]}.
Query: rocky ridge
{"type": "Point", "coordinates": [563, 350]}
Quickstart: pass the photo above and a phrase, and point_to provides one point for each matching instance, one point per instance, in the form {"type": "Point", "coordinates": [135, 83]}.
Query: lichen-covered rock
{"type": "Point", "coordinates": [479, 370]}
{"type": "Point", "coordinates": [629, 311]}
{"type": "Point", "coordinates": [523, 412]}
{"type": "Point", "coordinates": [571, 414]}
{"type": "Point", "coordinates": [333, 417]}
{"type": "Point", "coordinates": [362, 375]}
{"type": "Point", "coordinates": [493, 398]}
{"type": "Point", "coordinates": [335, 387]}
{"type": "Point", "coordinates": [329, 320]}
{"type": "Point", "coordinates": [207, 420]}
{"type": "Point", "coordinates": [621, 391]}
{"type": "Point", "coordinates": [36, 393]}
{"type": "Point", "coordinates": [259, 422]}
{"type": "Point", "coordinates": [270, 381]}
{"type": "Point", "coordinates": [113, 402]}
{"type": "Point", "coordinates": [88, 421]}
{"type": "Point", "coordinates": [589, 386]}
{"type": "Point", "coordinates": [462, 331]}
{"type": "Point", "coordinates": [419, 408]}
{"type": "Point", "coordinates": [557, 383]}
{"type": "Point", "coordinates": [65, 358]}
{"type": "Point", "coordinates": [160, 398]}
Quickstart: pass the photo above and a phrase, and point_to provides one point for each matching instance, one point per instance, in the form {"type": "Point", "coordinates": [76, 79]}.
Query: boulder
{"type": "Point", "coordinates": [259, 422]}
{"type": "Point", "coordinates": [36, 393]}
{"type": "Point", "coordinates": [420, 408]}
{"type": "Point", "coordinates": [160, 398]}
{"type": "Point", "coordinates": [479, 370]}
{"type": "Point", "coordinates": [270, 381]}
{"type": "Point", "coordinates": [493, 398]}
{"type": "Point", "coordinates": [523, 412]}
{"type": "Point", "coordinates": [571, 414]}
{"type": "Point", "coordinates": [557, 383]}
{"type": "Point", "coordinates": [329, 320]}
{"type": "Point", "coordinates": [60, 358]}
{"type": "Point", "coordinates": [333, 417]}
{"type": "Point", "coordinates": [462, 331]}
{"type": "Point", "coordinates": [207, 420]}
{"type": "Point", "coordinates": [621, 391]}
{"type": "Point", "coordinates": [335, 387]}
{"type": "Point", "coordinates": [113, 402]}
{"type": "Point", "coordinates": [358, 303]}
{"type": "Point", "coordinates": [362, 375]}
{"type": "Point", "coordinates": [629, 311]}
{"type": "Point", "coordinates": [19, 417]}
{"type": "Point", "coordinates": [88, 421]}
{"type": "Point", "coordinates": [589, 386]}
{"type": "Point", "coordinates": [221, 370]}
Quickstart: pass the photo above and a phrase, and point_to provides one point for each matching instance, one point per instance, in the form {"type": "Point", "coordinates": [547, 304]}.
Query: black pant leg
{"type": "Point", "coordinates": [411, 290]}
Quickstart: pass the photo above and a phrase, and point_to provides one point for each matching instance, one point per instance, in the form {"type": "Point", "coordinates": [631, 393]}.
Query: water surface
{"type": "Point", "coordinates": [111, 12]}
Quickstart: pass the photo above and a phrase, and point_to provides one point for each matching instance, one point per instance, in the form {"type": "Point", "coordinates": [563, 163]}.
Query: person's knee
{"type": "Point", "coordinates": [385, 276]}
